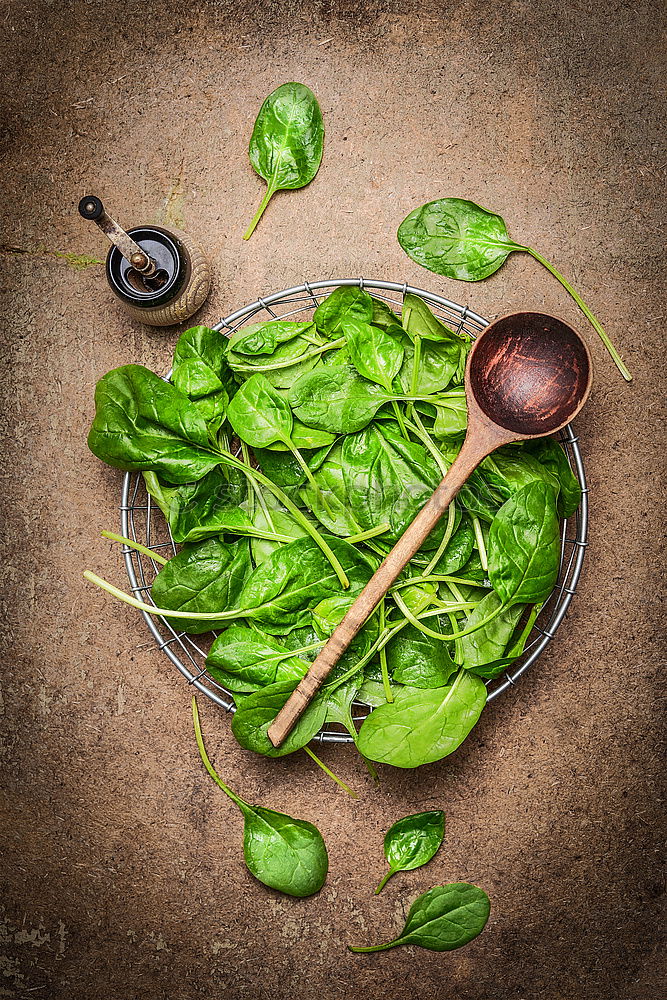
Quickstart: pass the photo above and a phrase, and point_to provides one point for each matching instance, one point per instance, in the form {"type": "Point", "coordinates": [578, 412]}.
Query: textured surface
{"type": "Point", "coordinates": [123, 874]}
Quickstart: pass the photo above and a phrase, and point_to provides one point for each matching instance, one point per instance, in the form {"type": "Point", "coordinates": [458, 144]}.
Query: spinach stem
{"type": "Point", "coordinates": [435, 578]}
{"type": "Point", "coordinates": [399, 419]}
{"type": "Point", "coordinates": [298, 516]}
{"type": "Point", "coordinates": [386, 684]}
{"type": "Point", "coordinates": [207, 763]}
{"type": "Point", "coordinates": [268, 194]}
{"type": "Point", "coordinates": [418, 428]}
{"type": "Point", "coordinates": [209, 616]}
{"type": "Point", "coordinates": [363, 536]}
{"type": "Point", "coordinates": [392, 871]}
{"type": "Point", "coordinates": [416, 358]}
{"type": "Point", "coordinates": [309, 475]}
{"type": "Point", "coordinates": [414, 620]}
{"type": "Point", "coordinates": [449, 531]}
{"type": "Point", "coordinates": [334, 777]}
{"type": "Point", "coordinates": [135, 545]}
{"type": "Point", "coordinates": [479, 538]}
{"type": "Point", "coordinates": [595, 323]}
{"type": "Point", "coordinates": [288, 362]}
{"type": "Point", "coordinates": [255, 488]}
{"type": "Point", "coordinates": [375, 947]}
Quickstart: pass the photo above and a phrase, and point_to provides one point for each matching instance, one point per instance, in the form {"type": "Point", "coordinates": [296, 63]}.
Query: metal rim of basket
{"type": "Point", "coordinates": [138, 513]}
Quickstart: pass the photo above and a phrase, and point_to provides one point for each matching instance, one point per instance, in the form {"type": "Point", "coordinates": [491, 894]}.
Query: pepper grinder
{"type": "Point", "coordinates": [161, 276]}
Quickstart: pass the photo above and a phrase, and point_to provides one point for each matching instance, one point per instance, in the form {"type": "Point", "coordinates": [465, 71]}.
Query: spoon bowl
{"type": "Point", "coordinates": [529, 373]}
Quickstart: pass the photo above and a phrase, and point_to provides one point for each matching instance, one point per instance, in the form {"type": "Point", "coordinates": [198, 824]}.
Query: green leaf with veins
{"type": "Point", "coordinates": [553, 458]}
{"type": "Point", "coordinates": [200, 363]}
{"type": "Point", "coordinates": [412, 841]}
{"type": "Point", "coordinates": [459, 239]}
{"type": "Point", "coordinates": [423, 725]}
{"type": "Point", "coordinates": [347, 304]}
{"type": "Point", "coordinates": [286, 142]}
{"type": "Point", "coordinates": [259, 414]}
{"type": "Point", "coordinates": [260, 339]}
{"type": "Point", "coordinates": [245, 660]}
{"type": "Point", "coordinates": [489, 642]}
{"type": "Point", "coordinates": [374, 352]}
{"type": "Point", "coordinates": [202, 578]}
{"type": "Point", "coordinates": [143, 423]}
{"type": "Point", "coordinates": [524, 546]}
{"type": "Point", "coordinates": [256, 713]}
{"type": "Point", "coordinates": [442, 919]}
{"type": "Point", "coordinates": [284, 853]}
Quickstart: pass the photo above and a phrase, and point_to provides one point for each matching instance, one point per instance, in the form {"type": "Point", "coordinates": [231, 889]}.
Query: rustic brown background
{"type": "Point", "coordinates": [123, 874]}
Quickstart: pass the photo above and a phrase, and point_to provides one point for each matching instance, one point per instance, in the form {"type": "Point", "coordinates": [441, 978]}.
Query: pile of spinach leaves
{"type": "Point", "coordinates": [347, 422]}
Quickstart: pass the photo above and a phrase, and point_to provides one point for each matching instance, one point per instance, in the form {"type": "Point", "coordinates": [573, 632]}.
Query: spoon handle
{"type": "Point", "coordinates": [474, 449]}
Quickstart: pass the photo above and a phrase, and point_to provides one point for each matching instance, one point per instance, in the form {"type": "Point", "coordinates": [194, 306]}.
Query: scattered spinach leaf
{"type": "Point", "coordinates": [459, 239]}
{"type": "Point", "coordinates": [284, 853]}
{"type": "Point", "coordinates": [444, 918]}
{"type": "Point", "coordinates": [412, 841]}
{"type": "Point", "coordinates": [286, 142]}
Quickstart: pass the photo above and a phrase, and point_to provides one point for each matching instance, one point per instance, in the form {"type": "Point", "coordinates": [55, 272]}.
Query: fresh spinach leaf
{"type": "Point", "coordinates": [284, 853]}
{"type": "Point", "coordinates": [418, 660]}
{"type": "Point", "coordinates": [336, 399]}
{"type": "Point", "coordinates": [203, 578]}
{"type": "Point", "coordinates": [488, 643]}
{"type": "Point", "coordinates": [383, 315]}
{"type": "Point", "coordinates": [143, 423]}
{"type": "Point", "coordinates": [412, 841]}
{"type": "Point", "coordinates": [423, 725]}
{"type": "Point", "coordinates": [256, 713]}
{"type": "Point", "coordinates": [259, 414]}
{"type": "Point", "coordinates": [281, 592]}
{"type": "Point", "coordinates": [259, 339]}
{"type": "Point", "coordinates": [510, 469]}
{"type": "Point", "coordinates": [286, 142]}
{"type": "Point", "coordinates": [552, 457]}
{"type": "Point", "coordinates": [203, 509]}
{"type": "Point", "coordinates": [444, 918]}
{"type": "Point", "coordinates": [244, 659]}
{"type": "Point", "coordinates": [200, 363]}
{"type": "Point", "coordinates": [347, 304]}
{"type": "Point", "coordinates": [388, 479]}
{"type": "Point", "coordinates": [451, 415]}
{"type": "Point", "coordinates": [459, 239]}
{"type": "Point", "coordinates": [524, 546]}
{"type": "Point", "coordinates": [374, 352]}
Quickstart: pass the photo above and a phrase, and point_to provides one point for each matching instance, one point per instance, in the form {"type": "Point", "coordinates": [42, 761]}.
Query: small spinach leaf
{"type": "Point", "coordinates": [412, 841]}
{"type": "Point", "coordinates": [286, 142]}
{"type": "Point", "coordinates": [553, 458]}
{"type": "Point", "coordinates": [419, 660]}
{"type": "Point", "coordinates": [444, 918]}
{"type": "Point", "coordinates": [259, 414]}
{"type": "Point", "coordinates": [374, 353]}
{"type": "Point", "coordinates": [459, 239]}
{"type": "Point", "coordinates": [200, 362]}
{"type": "Point", "coordinates": [258, 339]}
{"type": "Point", "coordinates": [284, 853]}
{"type": "Point", "coordinates": [488, 643]}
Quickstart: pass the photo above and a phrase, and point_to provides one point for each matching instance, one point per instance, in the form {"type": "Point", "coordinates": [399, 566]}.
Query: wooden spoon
{"type": "Point", "coordinates": [527, 376]}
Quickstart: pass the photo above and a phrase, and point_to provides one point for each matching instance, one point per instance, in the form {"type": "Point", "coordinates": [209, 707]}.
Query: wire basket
{"type": "Point", "coordinates": [143, 521]}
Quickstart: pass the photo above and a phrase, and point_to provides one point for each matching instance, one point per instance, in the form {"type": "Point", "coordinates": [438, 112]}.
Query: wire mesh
{"type": "Point", "coordinates": [142, 521]}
